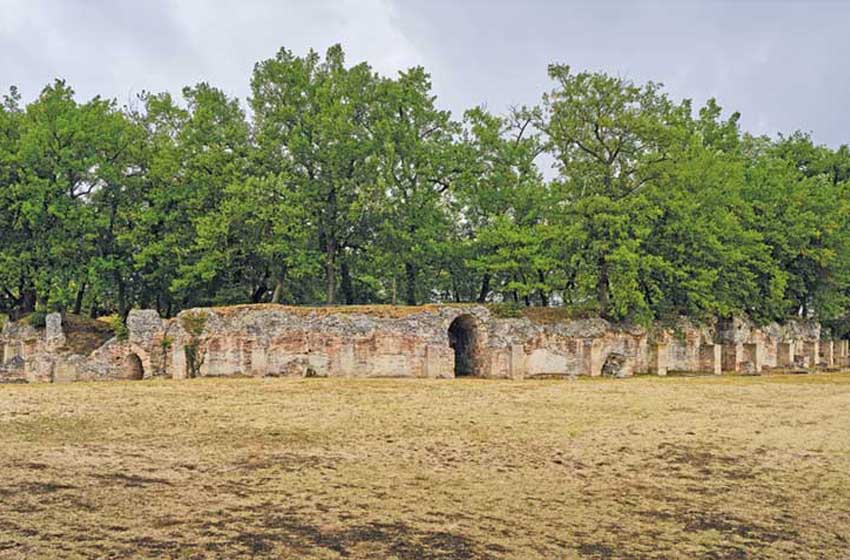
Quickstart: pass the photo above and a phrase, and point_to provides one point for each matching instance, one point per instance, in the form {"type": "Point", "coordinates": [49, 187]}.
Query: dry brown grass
{"type": "Point", "coordinates": [85, 335]}
{"type": "Point", "coordinates": [733, 467]}
{"type": "Point", "coordinates": [379, 311]}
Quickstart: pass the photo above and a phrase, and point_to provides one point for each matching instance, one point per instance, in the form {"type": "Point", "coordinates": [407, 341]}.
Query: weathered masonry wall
{"type": "Point", "coordinates": [428, 341]}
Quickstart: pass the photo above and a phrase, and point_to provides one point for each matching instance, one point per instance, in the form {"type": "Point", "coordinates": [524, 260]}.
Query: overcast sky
{"type": "Point", "coordinates": [784, 65]}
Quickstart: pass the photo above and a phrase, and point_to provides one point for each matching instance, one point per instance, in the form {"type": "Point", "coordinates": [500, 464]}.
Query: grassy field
{"type": "Point", "coordinates": [732, 467]}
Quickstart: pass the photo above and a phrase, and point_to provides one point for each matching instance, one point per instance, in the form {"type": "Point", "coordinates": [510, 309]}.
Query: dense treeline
{"type": "Point", "coordinates": [335, 184]}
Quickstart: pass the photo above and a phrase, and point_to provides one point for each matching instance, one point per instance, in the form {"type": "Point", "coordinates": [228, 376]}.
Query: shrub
{"type": "Point", "coordinates": [38, 319]}
{"type": "Point", "coordinates": [119, 328]}
{"type": "Point", "coordinates": [194, 323]}
{"type": "Point", "coordinates": [507, 310]}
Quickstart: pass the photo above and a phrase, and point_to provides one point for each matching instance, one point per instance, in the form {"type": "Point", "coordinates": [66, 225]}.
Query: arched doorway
{"type": "Point", "coordinates": [463, 338]}
{"type": "Point", "coordinates": [133, 368]}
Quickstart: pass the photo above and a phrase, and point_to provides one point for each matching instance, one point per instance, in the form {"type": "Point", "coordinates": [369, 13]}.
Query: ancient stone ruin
{"type": "Point", "coordinates": [438, 341]}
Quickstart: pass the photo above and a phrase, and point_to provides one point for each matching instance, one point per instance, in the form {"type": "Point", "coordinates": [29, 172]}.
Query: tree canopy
{"type": "Point", "coordinates": [333, 184]}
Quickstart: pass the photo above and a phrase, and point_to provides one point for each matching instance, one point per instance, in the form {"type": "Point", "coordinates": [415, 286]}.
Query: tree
{"type": "Point", "coordinates": [418, 160]}
{"type": "Point", "coordinates": [192, 156]}
{"type": "Point", "coordinates": [312, 121]}
{"type": "Point", "coordinates": [507, 205]}
{"type": "Point", "coordinates": [611, 139]}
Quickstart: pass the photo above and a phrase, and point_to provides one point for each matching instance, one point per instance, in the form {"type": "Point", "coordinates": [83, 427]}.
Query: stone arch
{"type": "Point", "coordinates": [133, 367]}
{"type": "Point", "coordinates": [465, 340]}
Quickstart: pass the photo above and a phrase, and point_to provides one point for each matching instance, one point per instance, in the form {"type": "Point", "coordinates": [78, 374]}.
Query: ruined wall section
{"type": "Point", "coordinates": [281, 341]}
{"type": "Point", "coordinates": [274, 340]}
{"type": "Point", "coordinates": [520, 348]}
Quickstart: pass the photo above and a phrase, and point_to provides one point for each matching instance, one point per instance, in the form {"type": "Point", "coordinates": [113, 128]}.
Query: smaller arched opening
{"type": "Point", "coordinates": [133, 368]}
{"type": "Point", "coordinates": [463, 339]}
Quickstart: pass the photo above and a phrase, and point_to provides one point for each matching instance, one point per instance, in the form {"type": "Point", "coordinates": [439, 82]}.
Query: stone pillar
{"type": "Point", "coordinates": [13, 350]}
{"type": "Point", "coordinates": [54, 336]}
{"type": "Point", "coordinates": [343, 361]}
{"type": "Point", "coordinates": [597, 357]}
{"type": "Point", "coordinates": [811, 350]}
{"type": "Point", "coordinates": [436, 362]}
{"type": "Point", "coordinates": [731, 356]}
{"type": "Point", "coordinates": [518, 362]}
{"type": "Point", "coordinates": [829, 353]}
{"type": "Point", "coordinates": [259, 360]}
{"type": "Point", "coordinates": [178, 363]}
{"type": "Point", "coordinates": [842, 353]}
{"type": "Point", "coordinates": [753, 356]}
{"type": "Point", "coordinates": [785, 355]}
{"type": "Point", "coordinates": [659, 359]}
{"type": "Point", "coordinates": [710, 358]}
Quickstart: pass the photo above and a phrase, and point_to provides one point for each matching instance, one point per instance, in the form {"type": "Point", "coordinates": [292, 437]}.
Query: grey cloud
{"type": "Point", "coordinates": [782, 64]}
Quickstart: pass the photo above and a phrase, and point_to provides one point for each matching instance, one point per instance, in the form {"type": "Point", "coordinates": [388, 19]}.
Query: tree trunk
{"type": "Point", "coordinates": [277, 295]}
{"type": "Point", "coordinates": [485, 288]}
{"type": "Point", "coordinates": [602, 287]}
{"type": "Point", "coordinates": [257, 295]}
{"type": "Point", "coordinates": [330, 271]}
{"type": "Point", "coordinates": [544, 298]}
{"type": "Point", "coordinates": [395, 291]}
{"type": "Point", "coordinates": [345, 284]}
{"type": "Point", "coordinates": [78, 301]}
{"type": "Point", "coordinates": [28, 299]}
{"type": "Point", "coordinates": [410, 286]}
{"type": "Point", "coordinates": [122, 296]}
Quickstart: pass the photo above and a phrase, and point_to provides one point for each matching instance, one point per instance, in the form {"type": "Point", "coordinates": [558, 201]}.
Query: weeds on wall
{"type": "Point", "coordinates": [119, 328]}
{"type": "Point", "coordinates": [194, 325]}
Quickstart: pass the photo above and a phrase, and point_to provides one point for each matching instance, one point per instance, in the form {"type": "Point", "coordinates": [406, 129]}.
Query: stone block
{"type": "Point", "coordinates": [659, 359]}
{"type": "Point", "coordinates": [143, 326]}
{"type": "Point", "coordinates": [64, 372]}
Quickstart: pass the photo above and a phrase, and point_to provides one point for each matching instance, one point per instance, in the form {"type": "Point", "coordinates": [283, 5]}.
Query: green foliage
{"type": "Point", "coordinates": [194, 323]}
{"type": "Point", "coordinates": [194, 359]}
{"type": "Point", "coordinates": [342, 185]}
{"type": "Point", "coordinates": [37, 319]}
{"type": "Point", "coordinates": [119, 327]}
{"type": "Point", "coordinates": [507, 310]}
